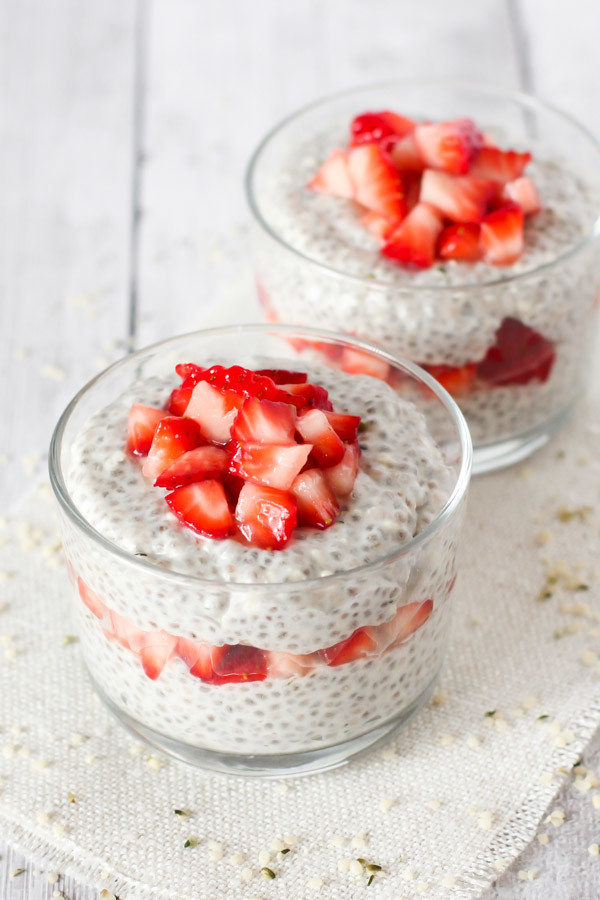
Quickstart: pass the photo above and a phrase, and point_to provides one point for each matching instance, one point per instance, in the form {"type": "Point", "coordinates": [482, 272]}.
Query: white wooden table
{"type": "Point", "coordinates": [126, 126]}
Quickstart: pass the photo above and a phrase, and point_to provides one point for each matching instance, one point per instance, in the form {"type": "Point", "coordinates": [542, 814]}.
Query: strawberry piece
{"type": "Point", "coordinates": [461, 198]}
{"type": "Point", "coordinates": [317, 506]}
{"type": "Point", "coordinates": [185, 370]}
{"type": "Point", "coordinates": [195, 465]}
{"type": "Point", "coordinates": [91, 600]}
{"type": "Point", "coordinates": [356, 362]}
{"type": "Point", "coordinates": [284, 376]}
{"type": "Point", "coordinates": [345, 426]}
{"type": "Point", "coordinates": [314, 427]}
{"type": "Point", "coordinates": [455, 379]}
{"type": "Point", "coordinates": [235, 663]}
{"type": "Point", "coordinates": [309, 395]}
{"type": "Point", "coordinates": [523, 192]}
{"type": "Point", "coordinates": [341, 478]}
{"type": "Point", "coordinates": [450, 146]}
{"type": "Point", "coordinates": [126, 633]}
{"type": "Point", "coordinates": [173, 437]}
{"type": "Point", "coordinates": [380, 128]}
{"type": "Point", "coordinates": [180, 397]}
{"type": "Point", "coordinates": [460, 242]}
{"type": "Point", "coordinates": [410, 618]}
{"type": "Point", "coordinates": [197, 657]}
{"type": "Point", "coordinates": [203, 507]}
{"type": "Point", "coordinates": [499, 165]}
{"type": "Point", "coordinates": [378, 184]}
{"type": "Point", "coordinates": [141, 426]}
{"type": "Point", "coordinates": [413, 243]}
{"type": "Point", "coordinates": [265, 422]}
{"type": "Point", "coordinates": [412, 188]}
{"type": "Point", "coordinates": [334, 176]}
{"type": "Point", "coordinates": [158, 648]}
{"type": "Point", "coordinates": [286, 665]}
{"type": "Point", "coordinates": [377, 225]}
{"type": "Point", "coordinates": [519, 355]}
{"type": "Point", "coordinates": [214, 411]}
{"type": "Point", "coordinates": [270, 464]}
{"type": "Point", "coordinates": [265, 517]}
{"type": "Point", "coordinates": [406, 155]}
{"type": "Point", "coordinates": [502, 236]}
{"type": "Point", "coordinates": [359, 645]}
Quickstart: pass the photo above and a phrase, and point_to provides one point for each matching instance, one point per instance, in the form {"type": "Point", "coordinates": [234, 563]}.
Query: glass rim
{"type": "Point", "coordinates": [144, 566]}
{"type": "Point", "coordinates": [526, 101]}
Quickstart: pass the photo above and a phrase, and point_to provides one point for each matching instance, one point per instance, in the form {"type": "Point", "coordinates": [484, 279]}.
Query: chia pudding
{"type": "Point", "coordinates": [226, 646]}
{"type": "Point", "coordinates": [317, 262]}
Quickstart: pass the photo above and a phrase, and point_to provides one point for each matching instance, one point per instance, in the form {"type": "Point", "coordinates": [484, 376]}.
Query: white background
{"type": "Point", "coordinates": [125, 129]}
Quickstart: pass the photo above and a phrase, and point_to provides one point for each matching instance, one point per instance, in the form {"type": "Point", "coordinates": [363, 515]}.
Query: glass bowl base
{"type": "Point", "coordinates": [494, 455]}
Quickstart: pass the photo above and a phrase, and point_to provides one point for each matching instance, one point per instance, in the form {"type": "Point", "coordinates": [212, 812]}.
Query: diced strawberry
{"type": "Point", "coordinates": [357, 362]}
{"type": "Point", "coordinates": [91, 600]}
{"type": "Point", "coordinates": [127, 634]}
{"type": "Point", "coordinates": [401, 125]}
{"type": "Point", "coordinates": [185, 370]}
{"type": "Point", "coordinates": [341, 478]}
{"type": "Point", "coordinates": [141, 426]}
{"type": "Point", "coordinates": [265, 517]}
{"type": "Point", "coordinates": [235, 663]}
{"type": "Point", "coordinates": [379, 128]}
{"type": "Point", "coordinates": [284, 376]}
{"type": "Point", "coordinates": [197, 657]}
{"type": "Point", "coordinates": [195, 465]}
{"type": "Point", "coordinates": [317, 506]}
{"type": "Point", "coordinates": [270, 464]}
{"type": "Point", "coordinates": [460, 242]}
{"type": "Point", "coordinates": [413, 243]}
{"type": "Point", "coordinates": [243, 382]}
{"type": "Point", "coordinates": [203, 507]}
{"type": "Point", "coordinates": [406, 155]}
{"type": "Point", "coordinates": [411, 617]}
{"type": "Point", "coordinates": [265, 422]}
{"type": "Point", "coordinates": [359, 645]}
{"type": "Point", "coordinates": [180, 397]}
{"type": "Point", "coordinates": [461, 198]}
{"type": "Point", "coordinates": [523, 192]}
{"type": "Point", "coordinates": [159, 647]}
{"type": "Point", "coordinates": [214, 411]}
{"type": "Point", "coordinates": [309, 395]}
{"type": "Point", "coordinates": [502, 235]}
{"type": "Point", "coordinates": [455, 379]}
{"type": "Point", "coordinates": [345, 426]}
{"type": "Point", "coordinates": [334, 176]}
{"type": "Point", "coordinates": [377, 225]}
{"type": "Point", "coordinates": [519, 355]}
{"type": "Point", "coordinates": [378, 184]}
{"type": "Point", "coordinates": [499, 165]}
{"type": "Point", "coordinates": [173, 437]}
{"type": "Point", "coordinates": [327, 447]}
{"type": "Point", "coordinates": [412, 189]}
{"type": "Point", "coordinates": [286, 665]}
{"type": "Point", "coordinates": [450, 146]}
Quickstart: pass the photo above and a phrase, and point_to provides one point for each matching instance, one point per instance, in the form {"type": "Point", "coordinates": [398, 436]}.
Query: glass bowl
{"type": "Point", "coordinates": [316, 263]}
{"type": "Point", "coordinates": [305, 707]}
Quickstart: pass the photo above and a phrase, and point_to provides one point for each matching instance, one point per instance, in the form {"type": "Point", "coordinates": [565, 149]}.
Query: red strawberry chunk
{"type": "Point", "coordinates": [198, 658]}
{"type": "Point", "coordinates": [499, 165]}
{"type": "Point", "coordinates": [265, 422]}
{"type": "Point", "coordinates": [317, 506]}
{"type": "Point", "coordinates": [523, 192]}
{"type": "Point", "coordinates": [460, 242]}
{"type": "Point", "coordinates": [173, 437]}
{"type": "Point", "coordinates": [91, 600]}
{"type": "Point", "coordinates": [270, 464]}
{"type": "Point", "coordinates": [327, 447]}
{"type": "Point", "coordinates": [158, 648]}
{"type": "Point", "coordinates": [214, 410]}
{"type": "Point", "coordinates": [450, 146]}
{"type": "Point", "coordinates": [410, 618]}
{"type": "Point", "coordinates": [334, 176]}
{"type": "Point", "coordinates": [413, 243]}
{"type": "Point", "coordinates": [502, 235]}
{"type": "Point", "coordinates": [377, 225]}
{"type": "Point", "coordinates": [345, 426]}
{"type": "Point", "coordinates": [180, 397]}
{"type": "Point", "coordinates": [203, 507]}
{"type": "Point", "coordinates": [284, 376]}
{"type": "Point", "coordinates": [519, 355]}
{"type": "Point", "coordinates": [455, 379]}
{"type": "Point", "coordinates": [286, 665]}
{"type": "Point", "coordinates": [195, 465]}
{"type": "Point", "coordinates": [141, 426]}
{"type": "Point", "coordinates": [244, 383]}
{"type": "Point", "coordinates": [309, 395]}
{"type": "Point", "coordinates": [265, 517]}
{"type": "Point", "coordinates": [462, 198]}
{"type": "Point", "coordinates": [378, 184]}
{"type": "Point", "coordinates": [359, 645]}
{"type": "Point", "coordinates": [185, 370]}
{"type": "Point", "coordinates": [406, 155]}
{"type": "Point", "coordinates": [356, 362]}
{"type": "Point", "coordinates": [237, 663]}
{"type": "Point", "coordinates": [380, 128]}
{"type": "Point", "coordinates": [341, 478]}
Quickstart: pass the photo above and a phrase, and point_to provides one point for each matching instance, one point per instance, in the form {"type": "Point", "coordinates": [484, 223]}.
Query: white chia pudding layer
{"type": "Point", "coordinates": [447, 314]}
{"type": "Point", "coordinates": [297, 600]}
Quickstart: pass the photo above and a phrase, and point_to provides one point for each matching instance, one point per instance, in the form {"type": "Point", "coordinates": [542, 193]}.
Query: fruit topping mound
{"type": "Point", "coordinates": [432, 190]}
{"type": "Point", "coordinates": [252, 454]}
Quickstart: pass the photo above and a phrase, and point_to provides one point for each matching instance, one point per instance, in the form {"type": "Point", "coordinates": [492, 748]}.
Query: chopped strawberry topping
{"type": "Point", "coordinates": [523, 192]}
{"type": "Point", "coordinates": [499, 165]}
{"type": "Point", "coordinates": [265, 517]}
{"type": "Point", "coordinates": [380, 128]}
{"type": "Point", "coordinates": [283, 376]}
{"type": "Point", "coordinates": [414, 241]}
{"type": "Point", "coordinates": [406, 155]}
{"type": "Point", "coordinates": [195, 465]}
{"type": "Point", "coordinates": [341, 478]}
{"type": "Point", "coordinates": [265, 422]}
{"type": "Point", "coordinates": [501, 235]}
{"type": "Point", "coordinates": [359, 645]}
{"type": "Point", "coordinates": [203, 507]}
{"type": "Point", "coordinates": [460, 242]}
{"type": "Point", "coordinates": [269, 464]}
{"type": "Point", "coordinates": [378, 184]}
{"type": "Point", "coordinates": [158, 648]}
{"type": "Point", "coordinates": [214, 410]}
{"type": "Point", "coordinates": [316, 503]}
{"type": "Point", "coordinates": [334, 177]}
{"type": "Point", "coordinates": [377, 225]}
{"type": "Point", "coordinates": [141, 426]}
{"type": "Point", "coordinates": [455, 379]}
{"type": "Point", "coordinates": [327, 447]}
{"type": "Point", "coordinates": [450, 146]}
{"type": "Point", "coordinates": [309, 395]}
{"type": "Point", "coordinates": [237, 663]}
{"type": "Point", "coordinates": [519, 355]}
{"type": "Point", "coordinates": [346, 427]}
{"type": "Point", "coordinates": [173, 437]}
{"type": "Point", "coordinates": [461, 198]}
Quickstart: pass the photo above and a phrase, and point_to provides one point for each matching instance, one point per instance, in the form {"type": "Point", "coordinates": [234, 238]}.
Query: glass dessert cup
{"type": "Point", "coordinates": [448, 319]}
{"type": "Point", "coordinates": [316, 704]}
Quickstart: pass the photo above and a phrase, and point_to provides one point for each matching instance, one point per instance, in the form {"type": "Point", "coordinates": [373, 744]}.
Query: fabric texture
{"type": "Point", "coordinates": [443, 808]}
